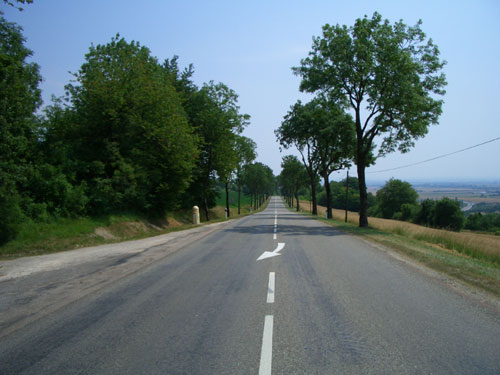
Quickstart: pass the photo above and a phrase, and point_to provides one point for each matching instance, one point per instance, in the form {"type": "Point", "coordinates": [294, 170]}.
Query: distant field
{"type": "Point", "coordinates": [469, 193]}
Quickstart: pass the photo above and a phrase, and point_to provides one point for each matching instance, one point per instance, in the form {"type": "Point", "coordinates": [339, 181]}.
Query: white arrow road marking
{"type": "Point", "coordinates": [270, 254]}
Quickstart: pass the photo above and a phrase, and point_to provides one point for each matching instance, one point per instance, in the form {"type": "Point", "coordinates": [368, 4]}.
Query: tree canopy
{"type": "Point", "coordinates": [130, 128]}
{"type": "Point", "coordinates": [292, 178]}
{"type": "Point", "coordinates": [19, 99]}
{"type": "Point", "coordinates": [389, 75]}
{"type": "Point", "coordinates": [323, 134]}
{"type": "Point", "coordinates": [393, 195]}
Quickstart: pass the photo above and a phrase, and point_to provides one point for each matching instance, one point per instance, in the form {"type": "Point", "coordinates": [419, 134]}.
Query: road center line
{"type": "Point", "coordinates": [266, 354]}
{"type": "Point", "coordinates": [270, 288]}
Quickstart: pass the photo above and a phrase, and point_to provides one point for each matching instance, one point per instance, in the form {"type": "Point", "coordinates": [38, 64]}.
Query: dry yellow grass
{"type": "Point", "coordinates": [473, 244]}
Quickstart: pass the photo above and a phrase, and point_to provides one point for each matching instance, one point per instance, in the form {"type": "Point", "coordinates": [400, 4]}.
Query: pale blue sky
{"type": "Point", "coordinates": [251, 47]}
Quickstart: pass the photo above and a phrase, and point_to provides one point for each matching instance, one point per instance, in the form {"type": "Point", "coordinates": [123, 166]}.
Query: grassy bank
{"type": "Point", "coordinates": [36, 238]}
{"type": "Point", "coordinates": [470, 257]}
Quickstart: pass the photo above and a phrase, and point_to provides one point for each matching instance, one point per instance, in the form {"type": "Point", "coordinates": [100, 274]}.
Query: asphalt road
{"type": "Point", "coordinates": [325, 303]}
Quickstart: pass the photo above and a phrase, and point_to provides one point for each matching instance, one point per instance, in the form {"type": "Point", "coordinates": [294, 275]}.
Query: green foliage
{"type": "Point", "coordinates": [11, 216]}
{"type": "Point", "coordinates": [425, 213]}
{"type": "Point", "coordinates": [448, 215]}
{"type": "Point", "coordinates": [259, 181]}
{"type": "Point", "coordinates": [408, 211]}
{"type": "Point", "coordinates": [214, 114]}
{"type": "Point", "coordinates": [19, 99]}
{"type": "Point", "coordinates": [324, 135]}
{"type": "Point", "coordinates": [293, 178]}
{"type": "Point", "coordinates": [387, 73]}
{"type": "Point", "coordinates": [338, 195]}
{"type": "Point", "coordinates": [392, 196]}
{"type": "Point", "coordinates": [483, 222]}
{"type": "Point", "coordinates": [130, 134]}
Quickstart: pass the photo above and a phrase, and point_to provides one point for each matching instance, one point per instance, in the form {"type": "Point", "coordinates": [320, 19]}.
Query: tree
{"type": "Point", "coordinates": [18, 1]}
{"type": "Point", "coordinates": [388, 74]}
{"type": "Point", "coordinates": [323, 133]}
{"type": "Point", "coordinates": [425, 213]}
{"type": "Point", "coordinates": [215, 116]}
{"type": "Point", "coordinates": [448, 215]}
{"type": "Point", "coordinates": [393, 195]}
{"type": "Point", "coordinates": [297, 129]}
{"type": "Point", "coordinates": [132, 141]}
{"type": "Point", "coordinates": [246, 154]}
{"type": "Point", "coordinates": [260, 182]}
{"type": "Point", "coordinates": [19, 99]}
{"type": "Point", "coordinates": [293, 177]}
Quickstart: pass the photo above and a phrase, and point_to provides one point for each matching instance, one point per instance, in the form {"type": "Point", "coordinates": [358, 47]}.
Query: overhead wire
{"type": "Point", "coordinates": [435, 158]}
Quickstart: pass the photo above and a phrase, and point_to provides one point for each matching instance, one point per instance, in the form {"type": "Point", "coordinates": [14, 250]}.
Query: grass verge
{"type": "Point", "coordinates": [36, 238]}
{"type": "Point", "coordinates": [464, 256]}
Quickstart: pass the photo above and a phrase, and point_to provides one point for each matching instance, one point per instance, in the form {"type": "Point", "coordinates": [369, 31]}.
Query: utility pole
{"type": "Point", "coordinates": [346, 193]}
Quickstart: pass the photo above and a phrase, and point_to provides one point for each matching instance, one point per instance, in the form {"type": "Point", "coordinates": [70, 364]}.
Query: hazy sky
{"type": "Point", "coordinates": [252, 45]}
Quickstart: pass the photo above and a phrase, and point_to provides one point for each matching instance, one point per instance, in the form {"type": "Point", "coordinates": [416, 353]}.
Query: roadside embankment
{"type": "Point", "coordinates": [38, 238]}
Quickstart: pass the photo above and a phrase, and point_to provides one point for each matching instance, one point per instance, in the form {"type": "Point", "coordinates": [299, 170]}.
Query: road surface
{"type": "Point", "coordinates": [317, 301]}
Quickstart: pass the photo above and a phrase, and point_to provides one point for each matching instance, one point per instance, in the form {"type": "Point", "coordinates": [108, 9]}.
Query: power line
{"type": "Point", "coordinates": [437, 157]}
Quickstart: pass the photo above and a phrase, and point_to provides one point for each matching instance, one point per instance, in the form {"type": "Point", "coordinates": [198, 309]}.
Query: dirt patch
{"type": "Point", "coordinates": [172, 223]}
{"type": "Point", "coordinates": [104, 233]}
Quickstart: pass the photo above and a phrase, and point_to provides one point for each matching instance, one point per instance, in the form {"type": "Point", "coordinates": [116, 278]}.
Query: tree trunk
{"type": "Point", "coordinates": [361, 156]}
{"type": "Point", "coordinates": [346, 194]}
{"type": "Point", "coordinates": [205, 208]}
{"type": "Point", "coordinates": [297, 199]}
{"type": "Point", "coordinates": [363, 196]}
{"type": "Point", "coordinates": [313, 196]}
{"type": "Point", "coordinates": [328, 199]}
{"type": "Point", "coordinates": [227, 199]}
{"type": "Point", "coordinates": [239, 199]}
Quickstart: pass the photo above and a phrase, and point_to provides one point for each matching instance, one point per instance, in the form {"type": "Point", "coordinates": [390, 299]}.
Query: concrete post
{"type": "Point", "coordinates": [196, 215]}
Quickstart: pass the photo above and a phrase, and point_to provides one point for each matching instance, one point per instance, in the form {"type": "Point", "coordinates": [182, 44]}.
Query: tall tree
{"type": "Point", "coordinates": [293, 176]}
{"type": "Point", "coordinates": [393, 195]}
{"type": "Point", "coordinates": [131, 135]}
{"type": "Point", "coordinates": [246, 154]}
{"type": "Point", "coordinates": [298, 129]}
{"type": "Point", "coordinates": [323, 133]}
{"type": "Point", "coordinates": [259, 181]}
{"type": "Point", "coordinates": [389, 75]}
{"type": "Point", "coordinates": [19, 99]}
{"type": "Point", "coordinates": [215, 115]}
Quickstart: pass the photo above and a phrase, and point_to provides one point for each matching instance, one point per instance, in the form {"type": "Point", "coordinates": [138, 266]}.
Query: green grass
{"type": "Point", "coordinates": [59, 234]}
{"type": "Point", "coordinates": [36, 238]}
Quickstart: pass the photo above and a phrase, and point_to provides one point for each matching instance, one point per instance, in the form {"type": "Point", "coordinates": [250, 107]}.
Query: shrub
{"type": "Point", "coordinates": [393, 195]}
{"type": "Point", "coordinates": [448, 215]}
{"type": "Point", "coordinates": [11, 216]}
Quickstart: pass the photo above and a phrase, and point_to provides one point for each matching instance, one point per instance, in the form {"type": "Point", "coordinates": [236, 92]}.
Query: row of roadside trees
{"type": "Point", "coordinates": [132, 134]}
{"type": "Point", "coordinates": [376, 87]}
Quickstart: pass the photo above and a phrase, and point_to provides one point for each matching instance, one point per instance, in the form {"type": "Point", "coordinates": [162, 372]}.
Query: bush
{"type": "Point", "coordinates": [448, 215]}
{"type": "Point", "coordinates": [11, 216]}
{"type": "Point", "coordinates": [393, 195]}
{"type": "Point", "coordinates": [409, 211]}
{"type": "Point", "coordinates": [425, 213]}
